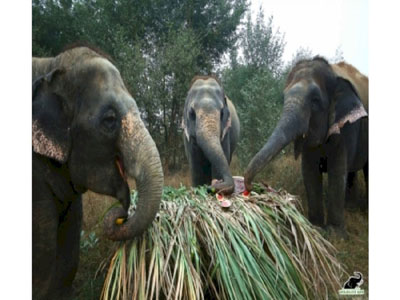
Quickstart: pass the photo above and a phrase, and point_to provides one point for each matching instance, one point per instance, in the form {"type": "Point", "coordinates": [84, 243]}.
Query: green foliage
{"type": "Point", "coordinates": [162, 90]}
{"type": "Point", "coordinates": [254, 82]}
{"type": "Point", "coordinates": [263, 99]}
{"type": "Point", "coordinates": [88, 241]}
{"type": "Point", "coordinates": [262, 47]}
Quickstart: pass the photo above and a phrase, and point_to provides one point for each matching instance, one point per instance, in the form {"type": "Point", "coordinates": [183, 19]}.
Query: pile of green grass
{"type": "Point", "coordinates": [262, 247]}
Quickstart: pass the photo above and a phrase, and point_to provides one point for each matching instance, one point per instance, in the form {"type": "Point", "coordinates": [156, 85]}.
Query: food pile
{"type": "Point", "coordinates": [259, 246]}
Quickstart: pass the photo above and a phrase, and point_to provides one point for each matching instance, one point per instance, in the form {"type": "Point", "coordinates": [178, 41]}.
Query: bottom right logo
{"type": "Point", "coordinates": [352, 285]}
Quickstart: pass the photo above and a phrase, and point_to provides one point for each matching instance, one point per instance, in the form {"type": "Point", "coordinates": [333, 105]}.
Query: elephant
{"type": "Point", "coordinates": [325, 118]}
{"type": "Point", "coordinates": [211, 131]}
{"type": "Point", "coordinates": [360, 83]}
{"type": "Point", "coordinates": [87, 134]}
{"type": "Point", "coordinates": [354, 281]}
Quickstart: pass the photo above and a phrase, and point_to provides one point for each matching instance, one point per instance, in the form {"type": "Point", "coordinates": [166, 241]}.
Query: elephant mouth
{"type": "Point", "coordinates": [120, 167]}
{"type": "Point", "coordinates": [123, 192]}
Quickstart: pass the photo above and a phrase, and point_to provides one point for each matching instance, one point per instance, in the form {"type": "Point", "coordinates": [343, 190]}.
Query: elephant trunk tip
{"type": "Point", "coordinates": [111, 228]}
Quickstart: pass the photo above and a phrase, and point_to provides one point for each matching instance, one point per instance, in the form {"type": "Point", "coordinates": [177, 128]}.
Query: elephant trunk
{"type": "Point", "coordinates": [142, 161]}
{"type": "Point", "coordinates": [292, 124]}
{"type": "Point", "coordinates": [209, 141]}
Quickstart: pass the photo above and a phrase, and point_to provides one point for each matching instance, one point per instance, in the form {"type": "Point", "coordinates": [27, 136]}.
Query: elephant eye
{"type": "Point", "coordinates": [109, 120]}
{"type": "Point", "coordinates": [192, 114]}
{"type": "Point", "coordinates": [222, 114]}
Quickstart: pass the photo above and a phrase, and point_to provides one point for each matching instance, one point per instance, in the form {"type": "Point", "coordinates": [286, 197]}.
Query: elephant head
{"type": "Point", "coordinates": [206, 121]}
{"type": "Point", "coordinates": [317, 103]}
{"type": "Point", "coordinates": [83, 116]}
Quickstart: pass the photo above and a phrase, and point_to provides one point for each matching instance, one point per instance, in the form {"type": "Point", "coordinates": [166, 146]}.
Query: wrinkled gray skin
{"type": "Point", "coordinates": [316, 100]}
{"type": "Point", "coordinates": [86, 134]}
{"type": "Point", "coordinates": [211, 132]}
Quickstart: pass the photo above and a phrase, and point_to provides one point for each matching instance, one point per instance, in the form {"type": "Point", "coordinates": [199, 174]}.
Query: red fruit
{"type": "Point", "coordinates": [226, 203]}
{"type": "Point", "coordinates": [246, 193]}
{"type": "Point", "coordinates": [219, 197]}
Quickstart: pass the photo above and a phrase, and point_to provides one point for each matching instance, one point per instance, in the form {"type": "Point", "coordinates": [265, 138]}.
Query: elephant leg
{"type": "Point", "coordinates": [364, 204]}
{"type": "Point", "coordinates": [200, 167]}
{"type": "Point", "coordinates": [44, 245]}
{"type": "Point", "coordinates": [312, 178]}
{"type": "Point", "coordinates": [68, 244]}
{"type": "Point", "coordinates": [351, 191]}
{"type": "Point", "coordinates": [337, 178]}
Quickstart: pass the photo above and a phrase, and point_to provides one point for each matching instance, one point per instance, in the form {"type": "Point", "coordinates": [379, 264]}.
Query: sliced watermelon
{"type": "Point", "coordinates": [220, 197]}
{"type": "Point", "coordinates": [226, 203]}
{"type": "Point", "coordinates": [246, 193]}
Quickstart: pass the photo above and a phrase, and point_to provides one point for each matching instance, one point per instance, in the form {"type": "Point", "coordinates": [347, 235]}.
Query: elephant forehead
{"type": "Point", "coordinates": [102, 73]}
{"type": "Point", "coordinates": [310, 71]}
{"type": "Point", "coordinates": [208, 103]}
{"type": "Point", "coordinates": [103, 64]}
{"type": "Point", "coordinates": [209, 86]}
{"type": "Point", "coordinates": [207, 98]}
{"type": "Point", "coordinates": [209, 82]}
{"type": "Point", "coordinates": [297, 89]}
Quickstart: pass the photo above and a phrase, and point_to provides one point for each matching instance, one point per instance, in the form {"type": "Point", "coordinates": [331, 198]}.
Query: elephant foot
{"type": "Point", "coordinates": [337, 232]}
{"type": "Point", "coordinates": [359, 204]}
{"type": "Point", "coordinates": [351, 201]}
{"type": "Point", "coordinates": [363, 204]}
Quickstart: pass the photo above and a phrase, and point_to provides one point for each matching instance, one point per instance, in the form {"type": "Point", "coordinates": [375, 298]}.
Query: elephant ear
{"type": "Point", "coordinates": [226, 118]}
{"type": "Point", "coordinates": [346, 106]}
{"type": "Point", "coordinates": [50, 125]}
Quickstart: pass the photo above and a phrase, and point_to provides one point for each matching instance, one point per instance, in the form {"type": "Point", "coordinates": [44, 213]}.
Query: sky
{"type": "Point", "coordinates": [322, 26]}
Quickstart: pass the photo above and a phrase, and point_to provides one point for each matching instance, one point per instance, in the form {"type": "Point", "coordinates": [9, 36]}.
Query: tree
{"type": "Point", "coordinates": [158, 45]}
{"type": "Point", "coordinates": [339, 56]}
{"type": "Point", "coordinates": [262, 47]}
{"type": "Point", "coordinates": [168, 75]}
{"type": "Point", "coordinates": [254, 81]}
{"type": "Point", "coordinates": [301, 53]}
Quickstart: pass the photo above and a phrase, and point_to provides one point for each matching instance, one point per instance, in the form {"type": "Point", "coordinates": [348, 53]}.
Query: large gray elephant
{"type": "Point", "coordinates": [211, 132]}
{"type": "Point", "coordinates": [86, 134]}
{"type": "Point", "coordinates": [325, 118]}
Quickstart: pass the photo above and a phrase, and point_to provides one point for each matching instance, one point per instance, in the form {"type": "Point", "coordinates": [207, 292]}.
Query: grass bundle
{"type": "Point", "coordinates": [262, 247]}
